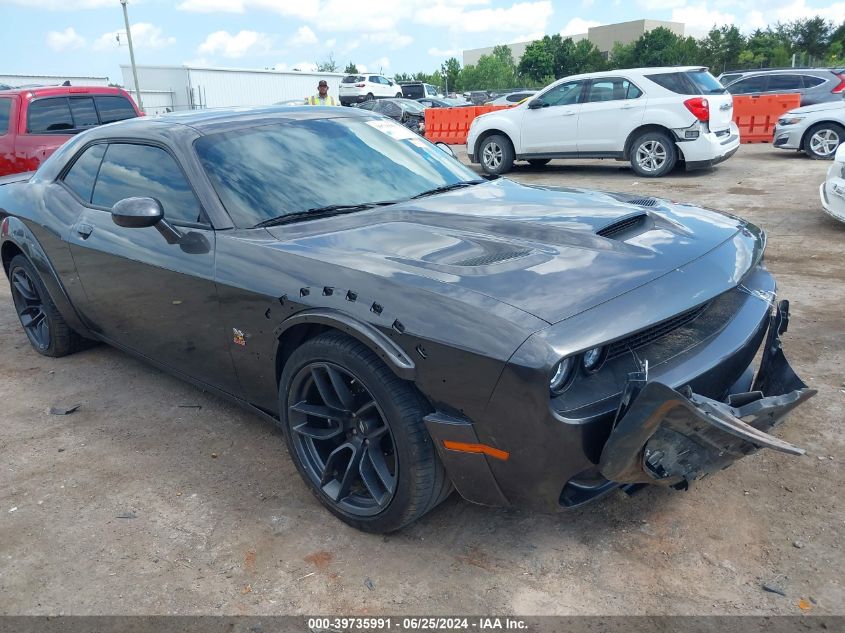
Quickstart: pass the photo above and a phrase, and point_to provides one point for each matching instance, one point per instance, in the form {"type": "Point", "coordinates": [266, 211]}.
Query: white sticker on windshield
{"type": "Point", "coordinates": [392, 129]}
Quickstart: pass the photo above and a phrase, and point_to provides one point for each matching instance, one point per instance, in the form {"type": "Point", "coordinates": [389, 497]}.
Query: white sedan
{"type": "Point", "coordinates": [818, 129]}
{"type": "Point", "coordinates": [832, 190]}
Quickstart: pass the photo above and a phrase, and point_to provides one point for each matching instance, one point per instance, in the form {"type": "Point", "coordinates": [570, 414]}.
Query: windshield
{"type": "Point", "coordinates": [414, 107]}
{"type": "Point", "coordinates": [352, 79]}
{"type": "Point", "coordinates": [273, 170]}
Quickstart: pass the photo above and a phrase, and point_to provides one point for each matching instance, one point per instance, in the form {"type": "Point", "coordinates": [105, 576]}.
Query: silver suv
{"type": "Point", "coordinates": [815, 85]}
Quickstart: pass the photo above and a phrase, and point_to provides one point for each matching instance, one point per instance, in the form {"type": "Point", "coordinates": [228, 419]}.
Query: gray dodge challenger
{"type": "Point", "coordinates": [411, 327]}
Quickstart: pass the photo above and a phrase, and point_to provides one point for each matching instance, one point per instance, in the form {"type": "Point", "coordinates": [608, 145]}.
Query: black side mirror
{"type": "Point", "coordinates": [137, 213]}
{"type": "Point", "coordinates": [449, 150]}
{"type": "Point", "coordinates": [536, 104]}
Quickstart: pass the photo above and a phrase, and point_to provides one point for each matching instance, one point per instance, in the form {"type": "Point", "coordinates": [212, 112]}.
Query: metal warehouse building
{"type": "Point", "coordinates": [177, 88]}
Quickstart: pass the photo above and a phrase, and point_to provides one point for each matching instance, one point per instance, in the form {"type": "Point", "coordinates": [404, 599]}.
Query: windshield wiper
{"type": "Point", "coordinates": [321, 212]}
{"type": "Point", "coordinates": [445, 188]}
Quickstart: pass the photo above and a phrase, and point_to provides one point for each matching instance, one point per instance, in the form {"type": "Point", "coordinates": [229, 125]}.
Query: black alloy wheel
{"type": "Point", "coordinates": [342, 439]}
{"type": "Point", "coordinates": [30, 308]}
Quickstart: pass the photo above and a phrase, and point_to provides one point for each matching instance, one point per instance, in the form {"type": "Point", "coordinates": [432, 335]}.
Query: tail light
{"type": "Point", "coordinates": [841, 87]}
{"type": "Point", "coordinates": [360, 85]}
{"type": "Point", "coordinates": [699, 107]}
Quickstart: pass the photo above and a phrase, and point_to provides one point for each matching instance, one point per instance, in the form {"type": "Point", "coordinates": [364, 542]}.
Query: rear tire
{"type": "Point", "coordinates": [822, 140]}
{"type": "Point", "coordinates": [45, 327]}
{"type": "Point", "coordinates": [496, 154]}
{"type": "Point", "coordinates": [369, 97]}
{"type": "Point", "coordinates": [398, 95]}
{"type": "Point", "coordinates": [653, 155]}
{"type": "Point", "coordinates": [375, 435]}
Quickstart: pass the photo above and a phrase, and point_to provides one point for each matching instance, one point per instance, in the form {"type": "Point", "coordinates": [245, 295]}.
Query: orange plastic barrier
{"type": "Point", "coordinates": [451, 125]}
{"type": "Point", "coordinates": [756, 116]}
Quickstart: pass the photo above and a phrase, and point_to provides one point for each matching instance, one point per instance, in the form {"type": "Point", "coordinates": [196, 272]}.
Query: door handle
{"type": "Point", "coordinates": [84, 230]}
{"type": "Point", "coordinates": [567, 113]}
{"type": "Point", "coordinates": [626, 106]}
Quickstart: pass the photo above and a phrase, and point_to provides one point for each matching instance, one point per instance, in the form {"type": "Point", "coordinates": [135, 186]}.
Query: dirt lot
{"type": "Point", "coordinates": [221, 522]}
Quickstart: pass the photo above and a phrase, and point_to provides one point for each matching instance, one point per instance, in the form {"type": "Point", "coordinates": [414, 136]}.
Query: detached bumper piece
{"type": "Point", "coordinates": [668, 437]}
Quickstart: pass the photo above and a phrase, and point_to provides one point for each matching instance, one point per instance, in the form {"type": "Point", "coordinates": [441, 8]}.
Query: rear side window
{"type": "Point", "coordinates": [49, 116]}
{"type": "Point", "coordinates": [113, 109]}
{"type": "Point", "coordinates": [352, 79]}
{"type": "Point", "coordinates": [5, 110]}
{"type": "Point", "coordinates": [706, 83]}
{"type": "Point", "coordinates": [130, 170]}
{"type": "Point", "coordinates": [374, 79]}
{"type": "Point", "coordinates": [811, 82]}
{"type": "Point", "coordinates": [675, 82]}
{"type": "Point", "coordinates": [784, 82]}
{"type": "Point", "coordinates": [81, 176]}
{"type": "Point", "coordinates": [751, 85]}
{"type": "Point", "coordinates": [84, 114]}
{"type": "Point", "coordinates": [612, 89]}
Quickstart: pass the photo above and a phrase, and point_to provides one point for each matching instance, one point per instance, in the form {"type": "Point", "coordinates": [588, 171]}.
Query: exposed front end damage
{"type": "Point", "coordinates": [668, 437]}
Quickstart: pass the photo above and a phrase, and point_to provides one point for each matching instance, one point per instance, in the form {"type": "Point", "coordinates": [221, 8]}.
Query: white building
{"type": "Point", "coordinates": [52, 80]}
{"type": "Point", "coordinates": [177, 88]}
{"type": "Point", "coordinates": [603, 37]}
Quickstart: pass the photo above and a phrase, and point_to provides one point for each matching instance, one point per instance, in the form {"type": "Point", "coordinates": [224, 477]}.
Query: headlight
{"type": "Point", "coordinates": [593, 359]}
{"type": "Point", "coordinates": [792, 120]}
{"type": "Point", "coordinates": [561, 375]}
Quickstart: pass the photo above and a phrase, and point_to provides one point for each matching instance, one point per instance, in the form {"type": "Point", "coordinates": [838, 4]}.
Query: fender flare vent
{"type": "Point", "coordinates": [622, 226]}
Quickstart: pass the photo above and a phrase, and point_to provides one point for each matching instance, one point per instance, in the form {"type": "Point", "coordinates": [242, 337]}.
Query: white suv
{"type": "Point", "coordinates": [358, 88]}
{"type": "Point", "coordinates": [653, 117]}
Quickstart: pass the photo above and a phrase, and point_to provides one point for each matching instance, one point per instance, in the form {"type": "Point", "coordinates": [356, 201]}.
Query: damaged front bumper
{"type": "Point", "coordinates": [670, 437]}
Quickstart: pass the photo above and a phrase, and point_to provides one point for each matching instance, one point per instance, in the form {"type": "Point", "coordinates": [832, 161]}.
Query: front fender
{"type": "Point", "coordinates": [14, 233]}
{"type": "Point", "coordinates": [401, 364]}
{"type": "Point", "coordinates": [494, 121]}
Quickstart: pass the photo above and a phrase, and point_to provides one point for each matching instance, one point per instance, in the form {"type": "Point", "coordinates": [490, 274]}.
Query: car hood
{"type": "Point", "coordinates": [820, 107]}
{"type": "Point", "coordinates": [550, 252]}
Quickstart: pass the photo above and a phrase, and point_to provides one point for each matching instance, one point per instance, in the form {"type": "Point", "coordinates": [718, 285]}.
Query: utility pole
{"type": "Point", "coordinates": [132, 55]}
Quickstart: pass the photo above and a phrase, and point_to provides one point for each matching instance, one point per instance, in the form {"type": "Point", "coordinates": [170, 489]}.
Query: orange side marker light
{"type": "Point", "coordinates": [464, 447]}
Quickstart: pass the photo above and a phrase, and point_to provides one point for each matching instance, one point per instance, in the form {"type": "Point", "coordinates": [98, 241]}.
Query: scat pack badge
{"type": "Point", "coordinates": [238, 337]}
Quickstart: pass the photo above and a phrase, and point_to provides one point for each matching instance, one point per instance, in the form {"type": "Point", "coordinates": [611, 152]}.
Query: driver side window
{"type": "Point", "coordinates": [129, 170]}
{"type": "Point", "coordinates": [568, 93]}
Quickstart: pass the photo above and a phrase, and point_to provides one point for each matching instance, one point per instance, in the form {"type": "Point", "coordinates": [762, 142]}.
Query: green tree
{"type": "Point", "coordinates": [327, 66]}
{"type": "Point", "coordinates": [351, 69]}
{"type": "Point", "coordinates": [402, 77]}
{"type": "Point", "coordinates": [721, 47]}
{"type": "Point", "coordinates": [537, 61]}
{"type": "Point", "coordinates": [452, 69]}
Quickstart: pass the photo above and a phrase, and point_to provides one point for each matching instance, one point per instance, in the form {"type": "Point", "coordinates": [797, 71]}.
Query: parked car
{"type": "Point", "coordinates": [815, 85]}
{"type": "Point", "coordinates": [34, 122]}
{"type": "Point", "coordinates": [832, 190]}
{"type": "Point", "coordinates": [419, 90]}
{"type": "Point", "coordinates": [513, 98]}
{"type": "Point", "coordinates": [411, 327]}
{"type": "Point", "coordinates": [652, 117]}
{"type": "Point", "coordinates": [818, 130]}
{"type": "Point", "coordinates": [478, 97]}
{"type": "Point", "coordinates": [430, 102]}
{"type": "Point", "coordinates": [409, 113]}
{"type": "Point", "coordinates": [358, 88]}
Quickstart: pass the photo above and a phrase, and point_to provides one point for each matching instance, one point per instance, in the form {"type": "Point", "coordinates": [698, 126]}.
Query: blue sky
{"type": "Point", "coordinates": [50, 37]}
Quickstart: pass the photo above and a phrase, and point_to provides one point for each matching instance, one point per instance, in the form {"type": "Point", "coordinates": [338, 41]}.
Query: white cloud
{"type": "Point", "coordinates": [306, 67]}
{"type": "Point", "coordinates": [382, 63]}
{"type": "Point", "coordinates": [444, 52]}
{"type": "Point", "coordinates": [304, 35]}
{"type": "Point", "coordinates": [294, 8]}
{"type": "Point", "coordinates": [660, 5]}
{"type": "Point", "coordinates": [331, 43]}
{"type": "Point", "coordinates": [519, 17]}
{"type": "Point", "coordinates": [238, 45]}
{"type": "Point", "coordinates": [65, 40]}
{"type": "Point", "coordinates": [144, 36]}
{"type": "Point", "coordinates": [699, 18]}
{"type": "Point", "coordinates": [530, 37]}
{"type": "Point", "coordinates": [578, 26]}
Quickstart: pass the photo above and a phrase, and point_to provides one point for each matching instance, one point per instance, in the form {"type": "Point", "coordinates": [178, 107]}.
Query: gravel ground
{"type": "Point", "coordinates": [155, 497]}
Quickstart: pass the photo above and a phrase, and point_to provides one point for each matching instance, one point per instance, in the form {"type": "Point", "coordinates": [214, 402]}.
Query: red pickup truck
{"type": "Point", "coordinates": [34, 122]}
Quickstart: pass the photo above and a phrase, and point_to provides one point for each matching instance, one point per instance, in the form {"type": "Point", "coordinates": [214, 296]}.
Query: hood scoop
{"type": "Point", "coordinates": [643, 202]}
{"type": "Point", "coordinates": [625, 225]}
{"type": "Point", "coordinates": [492, 258]}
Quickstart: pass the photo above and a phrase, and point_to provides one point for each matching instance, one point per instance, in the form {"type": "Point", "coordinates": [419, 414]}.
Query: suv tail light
{"type": "Point", "coordinates": [699, 107]}
{"type": "Point", "coordinates": [841, 87]}
{"type": "Point", "coordinates": [360, 85]}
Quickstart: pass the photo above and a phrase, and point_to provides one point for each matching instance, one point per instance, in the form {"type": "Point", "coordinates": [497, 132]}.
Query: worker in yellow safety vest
{"type": "Point", "coordinates": [323, 97]}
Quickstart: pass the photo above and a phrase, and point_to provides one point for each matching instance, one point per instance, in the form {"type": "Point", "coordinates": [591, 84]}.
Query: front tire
{"type": "Point", "coordinates": [653, 155]}
{"type": "Point", "coordinates": [356, 434]}
{"type": "Point", "coordinates": [369, 97]}
{"type": "Point", "coordinates": [823, 140]}
{"type": "Point", "coordinates": [496, 155]}
{"type": "Point", "coordinates": [45, 327]}
{"type": "Point", "coordinates": [398, 95]}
